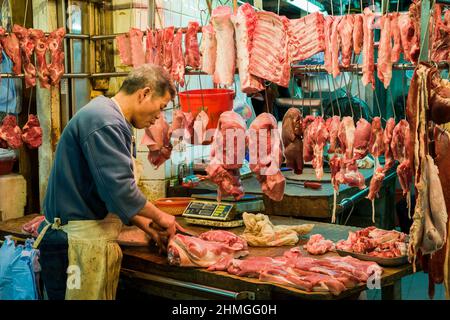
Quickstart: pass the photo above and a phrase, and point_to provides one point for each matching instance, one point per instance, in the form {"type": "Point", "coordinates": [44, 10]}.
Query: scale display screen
{"type": "Point", "coordinates": [209, 210]}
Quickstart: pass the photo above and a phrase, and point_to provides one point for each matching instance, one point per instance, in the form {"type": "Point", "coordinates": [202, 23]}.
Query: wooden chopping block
{"type": "Point", "coordinates": [13, 195]}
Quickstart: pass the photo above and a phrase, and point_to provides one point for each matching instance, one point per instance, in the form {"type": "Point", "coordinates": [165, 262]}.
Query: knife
{"type": "Point", "coordinates": [308, 184]}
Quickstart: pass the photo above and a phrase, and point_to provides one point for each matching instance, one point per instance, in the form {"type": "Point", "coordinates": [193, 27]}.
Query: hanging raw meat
{"type": "Point", "coordinates": [10, 132]}
{"type": "Point", "coordinates": [384, 62]}
{"type": "Point", "coordinates": [327, 52]}
{"type": "Point", "coordinates": [191, 45]}
{"type": "Point", "coordinates": [401, 151]}
{"type": "Point", "coordinates": [40, 49]}
{"type": "Point", "coordinates": [389, 160]}
{"type": "Point", "coordinates": [32, 132]}
{"type": "Point", "coordinates": [333, 128]}
{"type": "Point", "coordinates": [55, 45]}
{"type": "Point", "coordinates": [12, 50]}
{"type": "Point", "coordinates": [345, 29]}
{"type": "Point", "coordinates": [396, 37]}
{"type": "Point", "coordinates": [226, 51]}
{"type": "Point", "coordinates": [376, 141]}
{"type": "Point", "coordinates": [227, 155]}
{"type": "Point", "coordinates": [150, 46]}
{"type": "Point", "coordinates": [2, 35]}
{"type": "Point", "coordinates": [308, 150]}
{"type": "Point", "coordinates": [157, 140]}
{"type": "Point", "coordinates": [26, 48]}
{"type": "Point", "coordinates": [363, 134]}
{"type": "Point", "coordinates": [244, 26]}
{"type": "Point", "coordinates": [335, 45]}
{"type": "Point", "coordinates": [292, 135]}
{"type": "Point", "coordinates": [137, 47]}
{"type": "Point", "coordinates": [124, 47]}
{"type": "Point", "coordinates": [266, 155]}
{"type": "Point", "coordinates": [368, 66]}
{"type": "Point", "coordinates": [208, 49]}
{"type": "Point", "coordinates": [320, 135]}
{"type": "Point", "coordinates": [358, 33]}
{"type": "Point", "coordinates": [169, 34]}
{"type": "Point", "coordinates": [178, 67]}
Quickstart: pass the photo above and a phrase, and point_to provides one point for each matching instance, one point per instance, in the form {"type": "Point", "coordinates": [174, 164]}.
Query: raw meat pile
{"type": "Point", "coordinates": [205, 250]}
{"type": "Point", "coordinates": [317, 245]}
{"type": "Point", "coordinates": [20, 44]}
{"type": "Point", "coordinates": [11, 136]}
{"type": "Point", "coordinates": [333, 275]}
{"type": "Point", "coordinates": [375, 242]}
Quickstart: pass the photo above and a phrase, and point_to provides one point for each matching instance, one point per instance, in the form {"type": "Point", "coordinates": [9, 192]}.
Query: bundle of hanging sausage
{"type": "Point", "coordinates": [20, 44]}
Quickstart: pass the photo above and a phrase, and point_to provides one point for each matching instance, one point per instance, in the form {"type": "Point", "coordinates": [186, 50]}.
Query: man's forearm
{"type": "Point", "coordinates": [150, 211]}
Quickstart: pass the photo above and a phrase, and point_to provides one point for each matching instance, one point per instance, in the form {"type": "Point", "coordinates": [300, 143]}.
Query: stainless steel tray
{"type": "Point", "coordinates": [387, 262]}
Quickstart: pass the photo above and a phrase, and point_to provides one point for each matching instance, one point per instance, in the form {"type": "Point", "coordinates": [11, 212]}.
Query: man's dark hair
{"type": "Point", "coordinates": [149, 75]}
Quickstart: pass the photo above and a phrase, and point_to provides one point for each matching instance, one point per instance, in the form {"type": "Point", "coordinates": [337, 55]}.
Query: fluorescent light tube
{"type": "Point", "coordinates": [305, 5]}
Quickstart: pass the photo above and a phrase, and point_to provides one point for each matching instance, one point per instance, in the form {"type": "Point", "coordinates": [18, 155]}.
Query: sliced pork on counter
{"type": "Point", "coordinates": [10, 132]}
{"type": "Point", "coordinates": [40, 49]}
{"type": "Point", "coordinates": [204, 251]}
{"type": "Point", "coordinates": [55, 45]}
{"type": "Point", "coordinates": [225, 66]}
{"type": "Point", "coordinates": [317, 245]}
{"type": "Point", "coordinates": [292, 135]}
{"type": "Point", "coordinates": [137, 47]}
{"type": "Point", "coordinates": [368, 66]}
{"type": "Point", "coordinates": [244, 26]}
{"type": "Point", "coordinates": [178, 66]}
{"type": "Point", "coordinates": [208, 49]}
{"type": "Point", "coordinates": [157, 140]}
{"type": "Point", "coordinates": [306, 36]}
{"type": "Point", "coordinates": [266, 153]}
{"type": "Point", "coordinates": [384, 62]}
{"type": "Point", "coordinates": [26, 45]}
{"type": "Point", "coordinates": [192, 52]}
{"type": "Point", "coordinates": [269, 57]}
{"type": "Point", "coordinates": [32, 132]}
{"type": "Point", "coordinates": [227, 155]}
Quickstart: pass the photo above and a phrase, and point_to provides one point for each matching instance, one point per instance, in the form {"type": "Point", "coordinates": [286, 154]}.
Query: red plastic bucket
{"type": "Point", "coordinates": [215, 101]}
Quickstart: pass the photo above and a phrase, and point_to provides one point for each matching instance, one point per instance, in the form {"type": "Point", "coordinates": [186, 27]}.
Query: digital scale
{"type": "Point", "coordinates": [205, 210]}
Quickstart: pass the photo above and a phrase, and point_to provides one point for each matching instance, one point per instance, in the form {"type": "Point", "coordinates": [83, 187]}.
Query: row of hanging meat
{"type": "Point", "coordinates": [11, 136]}
{"type": "Point", "coordinates": [20, 44]}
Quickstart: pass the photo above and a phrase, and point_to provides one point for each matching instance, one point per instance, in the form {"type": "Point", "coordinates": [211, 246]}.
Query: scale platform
{"type": "Point", "coordinates": [205, 210]}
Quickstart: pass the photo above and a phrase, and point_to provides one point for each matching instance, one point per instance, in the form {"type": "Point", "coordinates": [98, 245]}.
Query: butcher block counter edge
{"type": "Point", "coordinates": [147, 260]}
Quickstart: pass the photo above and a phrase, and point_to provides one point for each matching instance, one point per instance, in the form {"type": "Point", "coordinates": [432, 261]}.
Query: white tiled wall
{"type": "Point", "coordinates": [177, 13]}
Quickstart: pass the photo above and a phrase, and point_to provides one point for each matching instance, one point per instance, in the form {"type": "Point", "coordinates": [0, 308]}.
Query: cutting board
{"type": "Point", "coordinates": [307, 175]}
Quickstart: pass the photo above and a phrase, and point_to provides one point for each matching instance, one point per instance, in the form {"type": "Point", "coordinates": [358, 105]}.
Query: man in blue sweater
{"type": "Point", "coordinates": [92, 190]}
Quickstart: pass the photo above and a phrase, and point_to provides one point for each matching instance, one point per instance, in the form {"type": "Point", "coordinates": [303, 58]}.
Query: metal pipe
{"type": "Point", "coordinates": [113, 36]}
{"type": "Point", "coordinates": [68, 36]}
{"type": "Point", "coordinates": [190, 285]}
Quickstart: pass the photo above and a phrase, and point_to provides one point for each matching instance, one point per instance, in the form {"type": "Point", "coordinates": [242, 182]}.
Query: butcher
{"type": "Point", "coordinates": [92, 190]}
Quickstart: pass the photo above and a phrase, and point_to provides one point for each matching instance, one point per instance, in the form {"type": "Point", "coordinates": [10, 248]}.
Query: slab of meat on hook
{"type": "Point", "coordinates": [269, 57]}
{"type": "Point", "coordinates": [396, 37]}
{"type": "Point", "coordinates": [407, 34]}
{"type": "Point", "coordinates": [150, 46]}
{"type": "Point", "coordinates": [368, 66]}
{"type": "Point", "coordinates": [157, 140]}
{"type": "Point", "coordinates": [320, 135]}
{"type": "Point", "coordinates": [208, 49]}
{"type": "Point", "coordinates": [376, 183]}
{"type": "Point", "coordinates": [227, 155]}
{"type": "Point", "coordinates": [306, 36]}
{"type": "Point", "coordinates": [26, 45]}
{"type": "Point", "coordinates": [10, 132]}
{"type": "Point", "coordinates": [124, 47]}
{"type": "Point", "coordinates": [178, 66]}
{"type": "Point", "coordinates": [32, 132]}
{"type": "Point", "coordinates": [327, 51]}
{"type": "Point", "coordinates": [441, 36]}
{"type": "Point", "coordinates": [159, 47]}
{"type": "Point", "coordinates": [363, 134]}
{"type": "Point", "coordinates": [308, 150]}
{"type": "Point", "coordinates": [358, 33]}
{"type": "Point", "coordinates": [40, 49]}
{"type": "Point", "coordinates": [244, 26]}
{"type": "Point", "coordinates": [292, 135]}
{"type": "Point", "coordinates": [226, 52]}
{"type": "Point", "coordinates": [384, 62]}
{"type": "Point", "coordinates": [333, 129]}
{"type": "Point", "coordinates": [266, 152]}
{"type": "Point", "coordinates": [12, 50]}
{"type": "Point", "coordinates": [376, 140]}
{"type": "Point", "coordinates": [169, 35]}
{"type": "Point", "coordinates": [346, 136]}
{"type": "Point", "coordinates": [389, 160]}
{"type": "Point", "coordinates": [345, 29]}
{"type": "Point", "coordinates": [440, 100]}
{"type": "Point", "coordinates": [55, 45]}
{"type": "Point", "coordinates": [191, 45]}
{"type": "Point", "coordinates": [137, 47]}
{"type": "Point", "coordinates": [335, 46]}
{"type": "Point", "coordinates": [401, 151]}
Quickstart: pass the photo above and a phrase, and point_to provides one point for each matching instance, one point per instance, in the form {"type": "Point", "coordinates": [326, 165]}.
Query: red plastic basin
{"type": "Point", "coordinates": [6, 166]}
{"type": "Point", "coordinates": [215, 101]}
